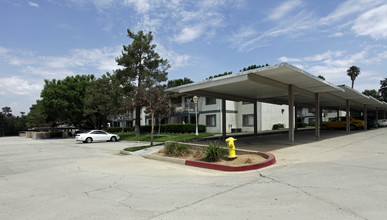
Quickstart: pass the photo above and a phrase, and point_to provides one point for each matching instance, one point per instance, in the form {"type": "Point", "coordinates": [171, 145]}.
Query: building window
{"type": "Point", "coordinates": [248, 120]}
{"type": "Point", "coordinates": [210, 101]}
{"type": "Point", "coordinates": [211, 120]}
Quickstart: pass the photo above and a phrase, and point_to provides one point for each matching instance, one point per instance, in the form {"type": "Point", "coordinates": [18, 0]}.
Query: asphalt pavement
{"type": "Point", "coordinates": [340, 177]}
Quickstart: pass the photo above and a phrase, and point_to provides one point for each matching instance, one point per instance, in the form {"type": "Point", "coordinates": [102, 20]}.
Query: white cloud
{"type": "Point", "coordinates": [288, 59]}
{"type": "Point", "coordinates": [291, 27]}
{"type": "Point", "coordinates": [175, 59]}
{"type": "Point", "coordinates": [348, 8]}
{"type": "Point", "coordinates": [372, 23]}
{"type": "Point", "coordinates": [17, 86]}
{"type": "Point", "coordinates": [282, 10]}
{"type": "Point", "coordinates": [337, 34]}
{"type": "Point", "coordinates": [90, 61]}
{"type": "Point", "coordinates": [324, 56]}
{"type": "Point", "coordinates": [188, 34]}
{"type": "Point", "coordinates": [3, 51]}
{"type": "Point", "coordinates": [142, 6]}
{"type": "Point", "coordinates": [33, 4]}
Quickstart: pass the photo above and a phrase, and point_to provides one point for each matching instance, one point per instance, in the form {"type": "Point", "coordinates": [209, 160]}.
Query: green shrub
{"type": "Point", "coordinates": [174, 128]}
{"type": "Point", "coordinates": [118, 129]}
{"type": "Point", "coordinates": [175, 149]}
{"type": "Point", "coordinates": [301, 125]}
{"type": "Point", "coordinates": [312, 123]}
{"type": "Point", "coordinates": [56, 134]}
{"type": "Point", "coordinates": [214, 152]}
{"type": "Point", "coordinates": [277, 126]}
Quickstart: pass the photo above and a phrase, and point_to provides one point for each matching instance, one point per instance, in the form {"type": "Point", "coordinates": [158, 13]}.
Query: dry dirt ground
{"type": "Point", "coordinates": [242, 159]}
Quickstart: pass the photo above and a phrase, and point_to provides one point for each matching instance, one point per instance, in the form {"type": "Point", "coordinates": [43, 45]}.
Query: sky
{"type": "Point", "coordinates": [52, 39]}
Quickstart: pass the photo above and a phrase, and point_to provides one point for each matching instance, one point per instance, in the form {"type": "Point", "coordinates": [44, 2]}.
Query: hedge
{"type": "Point", "coordinates": [301, 125]}
{"type": "Point", "coordinates": [56, 134]}
{"type": "Point", "coordinates": [174, 128]}
{"type": "Point", "coordinates": [118, 129]}
{"type": "Point", "coordinates": [277, 126]}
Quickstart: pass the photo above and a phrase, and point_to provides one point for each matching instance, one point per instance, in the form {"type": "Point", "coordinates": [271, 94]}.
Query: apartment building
{"type": "Point", "coordinates": [239, 115]}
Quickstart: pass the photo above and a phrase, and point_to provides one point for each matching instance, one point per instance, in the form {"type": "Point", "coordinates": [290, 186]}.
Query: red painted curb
{"type": "Point", "coordinates": [269, 161]}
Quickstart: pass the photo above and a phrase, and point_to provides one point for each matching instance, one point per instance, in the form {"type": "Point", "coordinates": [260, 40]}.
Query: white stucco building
{"type": "Point", "coordinates": [239, 115]}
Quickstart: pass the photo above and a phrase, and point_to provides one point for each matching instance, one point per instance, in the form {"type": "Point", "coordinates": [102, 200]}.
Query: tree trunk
{"type": "Point", "coordinates": [138, 121]}
{"type": "Point", "coordinates": [353, 81]}
{"type": "Point", "coordinates": [159, 125]}
{"type": "Point", "coordinates": [153, 126]}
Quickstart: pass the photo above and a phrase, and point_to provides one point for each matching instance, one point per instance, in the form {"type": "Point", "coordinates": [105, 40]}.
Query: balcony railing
{"type": "Point", "coordinates": [188, 107]}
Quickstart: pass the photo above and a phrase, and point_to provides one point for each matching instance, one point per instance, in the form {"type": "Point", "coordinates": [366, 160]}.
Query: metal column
{"type": "Point", "coordinates": [347, 124]}
{"type": "Point", "coordinates": [224, 118]}
{"type": "Point", "coordinates": [317, 115]}
{"type": "Point", "coordinates": [255, 119]}
{"type": "Point", "coordinates": [365, 116]}
{"type": "Point", "coordinates": [291, 115]}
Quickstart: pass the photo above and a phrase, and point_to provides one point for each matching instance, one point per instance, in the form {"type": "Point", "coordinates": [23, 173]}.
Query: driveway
{"type": "Point", "coordinates": [336, 178]}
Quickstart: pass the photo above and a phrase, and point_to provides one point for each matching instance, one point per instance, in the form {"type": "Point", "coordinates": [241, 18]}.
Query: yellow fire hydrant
{"type": "Point", "coordinates": [231, 147]}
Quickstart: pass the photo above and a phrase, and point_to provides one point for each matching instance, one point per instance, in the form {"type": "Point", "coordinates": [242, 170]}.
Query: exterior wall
{"type": "Point", "coordinates": [274, 114]}
{"type": "Point", "coordinates": [210, 110]}
{"type": "Point", "coordinates": [306, 115]}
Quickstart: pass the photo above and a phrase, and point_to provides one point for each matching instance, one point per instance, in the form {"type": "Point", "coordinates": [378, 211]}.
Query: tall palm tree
{"type": "Point", "coordinates": [353, 72]}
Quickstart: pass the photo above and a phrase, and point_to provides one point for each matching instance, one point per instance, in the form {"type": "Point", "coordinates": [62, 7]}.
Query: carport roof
{"type": "Point", "coordinates": [266, 83]}
{"type": "Point", "coordinates": [270, 84]}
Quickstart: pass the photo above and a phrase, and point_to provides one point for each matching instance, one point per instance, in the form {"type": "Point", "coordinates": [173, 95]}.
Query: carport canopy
{"type": "Point", "coordinates": [278, 84]}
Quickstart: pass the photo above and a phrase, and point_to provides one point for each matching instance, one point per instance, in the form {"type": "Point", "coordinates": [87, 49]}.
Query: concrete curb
{"type": "Point", "coordinates": [126, 152]}
{"type": "Point", "coordinates": [166, 159]}
{"type": "Point", "coordinates": [148, 154]}
{"type": "Point", "coordinates": [269, 161]}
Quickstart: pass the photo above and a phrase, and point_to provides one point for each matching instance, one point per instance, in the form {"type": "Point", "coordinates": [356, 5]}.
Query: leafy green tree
{"type": "Point", "coordinates": [383, 90]}
{"type": "Point", "coordinates": [321, 77]}
{"type": "Point", "coordinates": [10, 124]}
{"type": "Point", "coordinates": [156, 102]}
{"type": "Point", "coordinates": [253, 67]}
{"type": "Point", "coordinates": [141, 65]}
{"type": "Point", "coordinates": [372, 92]}
{"type": "Point", "coordinates": [36, 117]}
{"type": "Point", "coordinates": [7, 111]}
{"type": "Point", "coordinates": [178, 82]}
{"type": "Point", "coordinates": [103, 98]}
{"type": "Point", "coordinates": [3, 123]}
{"type": "Point", "coordinates": [353, 72]}
{"type": "Point", "coordinates": [63, 100]}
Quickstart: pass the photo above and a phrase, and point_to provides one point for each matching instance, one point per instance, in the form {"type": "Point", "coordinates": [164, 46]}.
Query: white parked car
{"type": "Point", "coordinates": [382, 122]}
{"type": "Point", "coordinates": [96, 135]}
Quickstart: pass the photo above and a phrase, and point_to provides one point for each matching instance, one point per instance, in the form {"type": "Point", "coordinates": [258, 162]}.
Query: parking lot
{"type": "Point", "coordinates": [338, 177]}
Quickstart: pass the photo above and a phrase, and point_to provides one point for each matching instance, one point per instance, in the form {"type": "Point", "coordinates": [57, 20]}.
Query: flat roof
{"type": "Point", "coordinates": [270, 84]}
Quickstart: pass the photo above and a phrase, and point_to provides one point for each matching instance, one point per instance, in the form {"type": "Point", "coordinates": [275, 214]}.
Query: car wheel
{"type": "Point", "coordinates": [89, 140]}
{"type": "Point", "coordinates": [352, 127]}
{"type": "Point", "coordinates": [113, 139]}
{"type": "Point", "coordinates": [324, 127]}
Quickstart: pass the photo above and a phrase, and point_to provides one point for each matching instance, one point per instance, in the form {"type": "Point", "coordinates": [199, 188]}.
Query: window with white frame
{"type": "Point", "coordinates": [248, 120]}
{"type": "Point", "coordinates": [211, 120]}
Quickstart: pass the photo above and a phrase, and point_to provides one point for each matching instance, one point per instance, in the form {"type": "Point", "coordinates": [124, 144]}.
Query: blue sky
{"type": "Point", "coordinates": [50, 39]}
